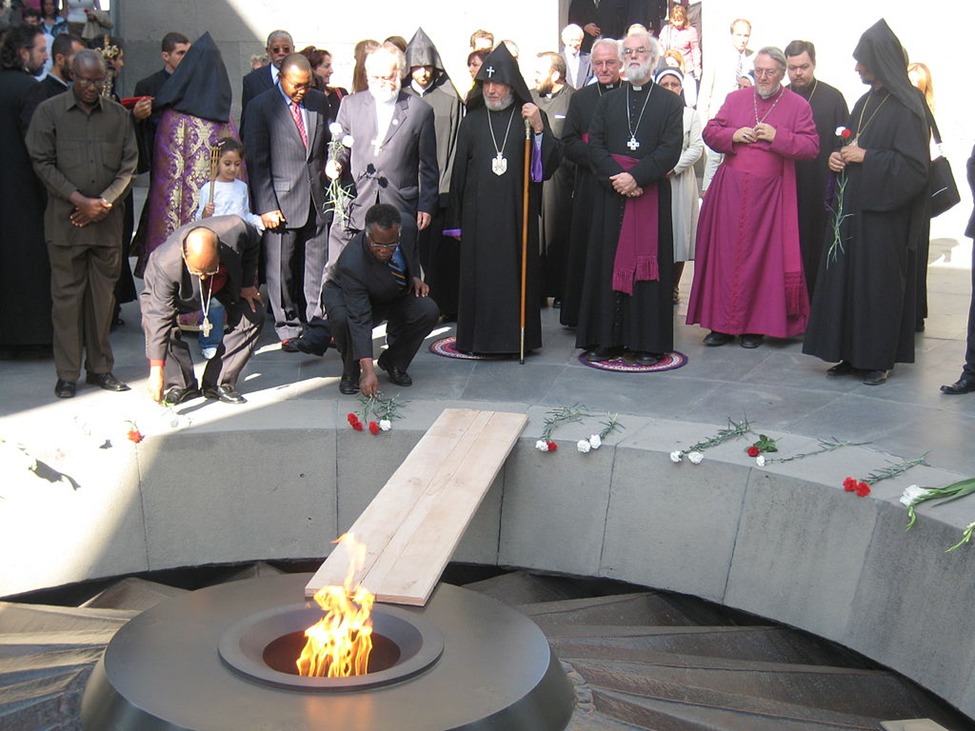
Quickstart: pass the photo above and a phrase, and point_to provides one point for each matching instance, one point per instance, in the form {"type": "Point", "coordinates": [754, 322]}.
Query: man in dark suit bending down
{"type": "Point", "coordinates": [287, 134]}
{"type": "Point", "coordinates": [376, 278]}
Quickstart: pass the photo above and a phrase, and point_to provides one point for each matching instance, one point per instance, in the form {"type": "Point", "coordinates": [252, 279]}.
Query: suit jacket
{"type": "Point", "coordinates": [255, 83]}
{"type": "Point", "coordinates": [169, 289]}
{"type": "Point", "coordinates": [584, 73]}
{"type": "Point", "coordinates": [610, 16]}
{"type": "Point", "coordinates": [285, 175]}
{"type": "Point", "coordinates": [364, 284]}
{"type": "Point", "coordinates": [151, 85]}
{"type": "Point", "coordinates": [404, 173]}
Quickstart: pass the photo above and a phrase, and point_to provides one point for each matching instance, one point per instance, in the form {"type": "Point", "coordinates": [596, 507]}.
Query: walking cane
{"type": "Point", "coordinates": [524, 238]}
{"type": "Point", "coordinates": [214, 166]}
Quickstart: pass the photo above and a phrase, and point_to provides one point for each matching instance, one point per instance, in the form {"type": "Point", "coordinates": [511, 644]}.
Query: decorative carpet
{"type": "Point", "coordinates": [623, 364]}
{"type": "Point", "coordinates": [447, 347]}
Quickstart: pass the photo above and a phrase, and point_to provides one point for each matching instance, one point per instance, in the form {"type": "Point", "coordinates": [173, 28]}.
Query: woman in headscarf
{"type": "Point", "coordinates": [195, 113]}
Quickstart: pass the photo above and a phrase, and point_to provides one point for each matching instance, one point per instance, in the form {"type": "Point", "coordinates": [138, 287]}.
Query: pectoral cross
{"type": "Point", "coordinates": [489, 71]}
{"type": "Point", "coordinates": [206, 327]}
{"type": "Point", "coordinates": [633, 144]}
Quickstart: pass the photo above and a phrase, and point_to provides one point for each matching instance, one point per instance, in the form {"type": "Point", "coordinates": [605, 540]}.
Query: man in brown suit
{"type": "Point", "coordinates": [84, 150]}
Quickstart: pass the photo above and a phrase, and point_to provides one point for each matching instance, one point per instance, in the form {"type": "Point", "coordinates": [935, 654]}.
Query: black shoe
{"type": "Point", "coordinates": [177, 394]}
{"type": "Point", "coordinates": [400, 378]}
{"type": "Point", "coordinates": [557, 303]}
{"type": "Point", "coordinates": [962, 385]}
{"type": "Point", "coordinates": [714, 338]}
{"type": "Point", "coordinates": [349, 386]}
{"type": "Point", "coordinates": [843, 368]}
{"type": "Point", "coordinates": [598, 355]}
{"type": "Point", "coordinates": [748, 340]}
{"type": "Point", "coordinates": [646, 359]}
{"type": "Point", "coordinates": [877, 377]}
{"type": "Point", "coordinates": [64, 389]}
{"type": "Point", "coordinates": [290, 345]}
{"type": "Point", "coordinates": [106, 381]}
{"type": "Point", "coordinates": [225, 393]}
{"type": "Point", "coordinates": [305, 346]}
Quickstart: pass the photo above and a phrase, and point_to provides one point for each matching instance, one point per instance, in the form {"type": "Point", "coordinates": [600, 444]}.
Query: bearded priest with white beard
{"type": "Point", "coordinates": [748, 276]}
{"type": "Point", "coordinates": [485, 212]}
{"type": "Point", "coordinates": [635, 137]}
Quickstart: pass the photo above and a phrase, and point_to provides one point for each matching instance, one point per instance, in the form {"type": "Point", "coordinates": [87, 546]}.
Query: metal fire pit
{"type": "Point", "coordinates": [200, 661]}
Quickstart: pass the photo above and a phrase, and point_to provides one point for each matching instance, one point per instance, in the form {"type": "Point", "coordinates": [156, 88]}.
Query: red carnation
{"type": "Point", "coordinates": [753, 451]}
{"type": "Point", "coordinates": [847, 133]}
{"type": "Point", "coordinates": [850, 484]}
{"type": "Point", "coordinates": [373, 428]}
{"type": "Point", "coordinates": [552, 446]}
{"type": "Point", "coordinates": [357, 425]}
{"type": "Point", "coordinates": [135, 435]}
{"type": "Point", "coordinates": [862, 489]}
{"type": "Point", "coordinates": [352, 418]}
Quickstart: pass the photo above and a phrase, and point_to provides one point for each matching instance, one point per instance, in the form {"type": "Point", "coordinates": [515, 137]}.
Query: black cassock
{"type": "Point", "coordinates": [488, 210]}
{"type": "Point", "coordinates": [643, 321]}
{"type": "Point", "coordinates": [864, 305]}
{"type": "Point", "coordinates": [829, 111]}
{"type": "Point", "coordinates": [556, 199]}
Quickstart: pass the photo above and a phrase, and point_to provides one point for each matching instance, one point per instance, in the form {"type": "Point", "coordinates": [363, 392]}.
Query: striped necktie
{"type": "Point", "coordinates": [299, 122]}
{"type": "Point", "coordinates": [397, 267]}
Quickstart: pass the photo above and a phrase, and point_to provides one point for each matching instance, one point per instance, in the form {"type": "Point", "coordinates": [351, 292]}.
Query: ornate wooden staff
{"type": "Point", "coordinates": [524, 238]}
{"type": "Point", "coordinates": [214, 166]}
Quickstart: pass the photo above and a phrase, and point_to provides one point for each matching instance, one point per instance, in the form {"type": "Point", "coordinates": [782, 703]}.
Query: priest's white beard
{"type": "Point", "coordinates": [766, 93]}
{"type": "Point", "coordinates": [501, 104]}
{"type": "Point", "coordinates": [382, 93]}
{"type": "Point", "coordinates": [639, 73]}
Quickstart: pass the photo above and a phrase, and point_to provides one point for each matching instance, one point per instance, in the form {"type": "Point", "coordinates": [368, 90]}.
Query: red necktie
{"type": "Point", "coordinates": [299, 123]}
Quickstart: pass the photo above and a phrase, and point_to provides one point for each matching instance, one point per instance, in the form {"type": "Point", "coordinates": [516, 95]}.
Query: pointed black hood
{"type": "Point", "coordinates": [200, 85]}
{"type": "Point", "coordinates": [420, 51]}
{"type": "Point", "coordinates": [881, 52]}
{"type": "Point", "coordinates": [500, 66]}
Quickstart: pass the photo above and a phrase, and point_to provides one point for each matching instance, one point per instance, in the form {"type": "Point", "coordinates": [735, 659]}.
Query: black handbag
{"type": "Point", "coordinates": [942, 190]}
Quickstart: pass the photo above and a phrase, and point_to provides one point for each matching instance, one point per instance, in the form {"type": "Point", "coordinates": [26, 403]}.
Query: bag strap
{"type": "Point", "coordinates": [933, 124]}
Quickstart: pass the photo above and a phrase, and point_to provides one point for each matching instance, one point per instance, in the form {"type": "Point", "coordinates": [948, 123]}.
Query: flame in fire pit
{"type": "Point", "coordinates": [339, 644]}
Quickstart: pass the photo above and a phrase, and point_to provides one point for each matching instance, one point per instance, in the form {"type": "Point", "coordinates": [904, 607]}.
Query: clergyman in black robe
{"type": "Point", "coordinates": [829, 112]}
{"type": "Point", "coordinates": [634, 141]}
{"type": "Point", "coordinates": [25, 273]}
{"type": "Point", "coordinates": [575, 146]}
{"type": "Point", "coordinates": [552, 95]}
{"type": "Point", "coordinates": [863, 309]}
{"type": "Point", "coordinates": [486, 209]}
{"type": "Point", "coordinates": [439, 256]}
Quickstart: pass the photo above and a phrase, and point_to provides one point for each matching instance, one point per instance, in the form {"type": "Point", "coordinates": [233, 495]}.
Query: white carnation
{"type": "Point", "coordinates": [595, 441]}
{"type": "Point", "coordinates": [331, 169]}
{"type": "Point", "coordinates": [913, 495]}
{"type": "Point", "coordinates": [347, 141]}
{"type": "Point", "coordinates": [583, 446]}
{"type": "Point", "coordinates": [760, 460]}
{"type": "Point", "coordinates": [335, 128]}
{"type": "Point", "coordinates": [541, 445]}
{"type": "Point", "coordinates": [696, 457]}
{"type": "Point", "coordinates": [385, 424]}
{"type": "Point", "coordinates": [839, 131]}
{"type": "Point", "coordinates": [676, 455]}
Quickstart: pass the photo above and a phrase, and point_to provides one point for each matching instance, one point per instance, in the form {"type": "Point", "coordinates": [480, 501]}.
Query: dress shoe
{"type": "Point", "coordinates": [106, 381]}
{"type": "Point", "coordinates": [349, 386]}
{"type": "Point", "coordinates": [225, 393]}
{"type": "Point", "coordinates": [715, 338]}
{"type": "Point", "coordinates": [598, 355]}
{"type": "Point", "coordinates": [64, 389]}
{"type": "Point", "coordinates": [400, 378]}
{"type": "Point", "coordinates": [843, 368]}
{"type": "Point", "coordinates": [875, 378]}
{"type": "Point", "coordinates": [178, 394]}
{"type": "Point", "coordinates": [748, 340]}
{"type": "Point", "coordinates": [646, 359]}
{"type": "Point", "coordinates": [962, 385]}
{"type": "Point", "coordinates": [304, 345]}
{"type": "Point", "coordinates": [290, 345]}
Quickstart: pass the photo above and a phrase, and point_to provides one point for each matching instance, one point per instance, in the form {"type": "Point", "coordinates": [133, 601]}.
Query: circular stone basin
{"type": "Point", "coordinates": [265, 645]}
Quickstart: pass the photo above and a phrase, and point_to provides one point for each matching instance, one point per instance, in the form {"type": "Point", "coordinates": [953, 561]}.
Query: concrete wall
{"type": "Point", "coordinates": [784, 542]}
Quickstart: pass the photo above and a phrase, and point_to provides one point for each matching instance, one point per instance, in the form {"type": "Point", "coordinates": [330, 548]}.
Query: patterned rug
{"type": "Point", "coordinates": [447, 347]}
{"type": "Point", "coordinates": [624, 364]}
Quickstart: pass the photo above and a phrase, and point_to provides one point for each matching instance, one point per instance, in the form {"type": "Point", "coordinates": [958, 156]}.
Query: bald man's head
{"type": "Point", "coordinates": [200, 252]}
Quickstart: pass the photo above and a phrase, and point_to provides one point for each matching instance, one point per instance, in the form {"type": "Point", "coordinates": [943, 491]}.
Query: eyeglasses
{"type": "Point", "coordinates": [90, 82]}
{"type": "Point", "coordinates": [767, 73]}
{"type": "Point", "coordinates": [641, 51]}
{"type": "Point", "coordinates": [377, 245]}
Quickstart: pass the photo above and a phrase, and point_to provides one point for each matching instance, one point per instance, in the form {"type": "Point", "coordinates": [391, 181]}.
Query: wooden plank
{"type": "Point", "coordinates": [412, 527]}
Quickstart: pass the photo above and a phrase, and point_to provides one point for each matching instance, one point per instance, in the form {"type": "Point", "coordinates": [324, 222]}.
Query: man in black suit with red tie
{"type": "Point", "coordinates": [287, 136]}
{"type": "Point", "coordinates": [376, 278]}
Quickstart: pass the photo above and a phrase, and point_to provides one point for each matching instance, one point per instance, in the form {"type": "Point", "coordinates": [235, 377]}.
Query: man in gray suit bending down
{"type": "Point", "coordinates": [287, 135]}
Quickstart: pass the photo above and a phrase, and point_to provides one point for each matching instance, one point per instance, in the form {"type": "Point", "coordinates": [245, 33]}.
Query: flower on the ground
{"type": "Point", "coordinates": [552, 446]}
{"type": "Point", "coordinates": [373, 428]}
{"type": "Point", "coordinates": [676, 456]}
{"type": "Point", "coordinates": [583, 446]}
{"type": "Point", "coordinates": [595, 441]}
{"type": "Point", "coordinates": [385, 424]}
{"type": "Point", "coordinates": [913, 495]}
{"type": "Point", "coordinates": [760, 460]}
{"type": "Point", "coordinates": [753, 451]}
{"type": "Point", "coordinates": [134, 435]}
{"type": "Point", "coordinates": [850, 484]}
{"type": "Point", "coordinates": [696, 457]}
{"type": "Point", "coordinates": [541, 445]}
{"type": "Point", "coordinates": [862, 489]}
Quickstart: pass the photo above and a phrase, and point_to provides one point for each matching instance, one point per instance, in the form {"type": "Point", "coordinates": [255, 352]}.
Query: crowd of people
{"type": "Point", "coordinates": [417, 197]}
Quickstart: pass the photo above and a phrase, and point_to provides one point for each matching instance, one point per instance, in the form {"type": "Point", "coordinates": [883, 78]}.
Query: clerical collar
{"type": "Point", "coordinates": [420, 90]}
